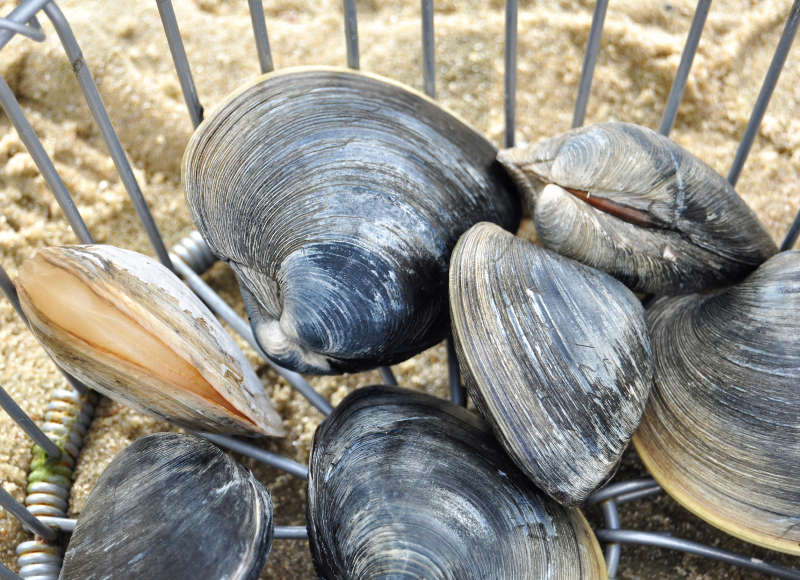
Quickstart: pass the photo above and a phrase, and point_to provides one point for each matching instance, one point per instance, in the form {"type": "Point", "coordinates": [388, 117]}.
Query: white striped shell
{"type": "Point", "coordinates": [628, 201]}
{"type": "Point", "coordinates": [404, 485]}
{"type": "Point", "coordinates": [336, 197]}
{"type": "Point", "coordinates": [172, 507]}
{"type": "Point", "coordinates": [721, 432]}
{"type": "Point", "coordinates": [126, 326]}
{"type": "Point", "coordinates": [555, 355]}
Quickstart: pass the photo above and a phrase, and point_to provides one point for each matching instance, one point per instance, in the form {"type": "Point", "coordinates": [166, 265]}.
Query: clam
{"type": "Point", "coordinates": [126, 326]}
{"type": "Point", "coordinates": [721, 432]}
{"type": "Point", "coordinates": [555, 355]}
{"type": "Point", "coordinates": [172, 507]}
{"type": "Point", "coordinates": [336, 197]}
{"type": "Point", "coordinates": [633, 203]}
{"type": "Point", "coordinates": [404, 485]}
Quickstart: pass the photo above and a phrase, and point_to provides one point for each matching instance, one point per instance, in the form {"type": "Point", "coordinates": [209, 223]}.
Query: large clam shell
{"type": "Point", "coordinates": [172, 507]}
{"type": "Point", "coordinates": [404, 485]}
{"type": "Point", "coordinates": [336, 197]}
{"type": "Point", "coordinates": [633, 203]}
{"type": "Point", "coordinates": [555, 355]}
{"type": "Point", "coordinates": [126, 326]}
{"type": "Point", "coordinates": [721, 432]}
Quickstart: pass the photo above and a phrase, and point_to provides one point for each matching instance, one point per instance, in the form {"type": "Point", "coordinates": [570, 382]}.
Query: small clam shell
{"type": "Point", "coordinates": [404, 485]}
{"type": "Point", "coordinates": [336, 197]}
{"type": "Point", "coordinates": [721, 432]}
{"type": "Point", "coordinates": [630, 202]}
{"type": "Point", "coordinates": [128, 327]}
{"type": "Point", "coordinates": [172, 507]}
{"type": "Point", "coordinates": [555, 355]}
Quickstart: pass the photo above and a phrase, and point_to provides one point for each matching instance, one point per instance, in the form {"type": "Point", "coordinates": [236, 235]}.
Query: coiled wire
{"type": "Point", "coordinates": [66, 422]}
{"type": "Point", "coordinates": [194, 251]}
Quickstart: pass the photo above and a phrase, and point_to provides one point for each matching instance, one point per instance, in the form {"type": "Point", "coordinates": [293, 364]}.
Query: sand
{"type": "Point", "coordinates": [127, 53]}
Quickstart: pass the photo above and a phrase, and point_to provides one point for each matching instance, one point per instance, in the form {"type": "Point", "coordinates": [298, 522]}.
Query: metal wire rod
{"type": "Point", "coordinates": [767, 87]}
{"type": "Point", "coordinates": [669, 542]}
{"type": "Point", "coordinates": [28, 520]}
{"type": "Point", "coordinates": [31, 31]}
{"type": "Point", "coordinates": [428, 52]}
{"type": "Point", "coordinates": [589, 60]}
{"type": "Point", "coordinates": [388, 376]}
{"type": "Point", "coordinates": [458, 395]}
{"type": "Point", "coordinates": [25, 12]}
{"type": "Point", "coordinates": [242, 328]}
{"type": "Point", "coordinates": [616, 489]}
{"type": "Point", "coordinates": [273, 459]}
{"type": "Point", "coordinates": [26, 423]}
{"type": "Point", "coordinates": [178, 52]}
{"type": "Point", "coordinates": [100, 115]}
{"type": "Point", "coordinates": [260, 32]}
{"type": "Point", "coordinates": [791, 235]}
{"type": "Point", "coordinates": [613, 549]}
{"type": "Point", "coordinates": [634, 495]}
{"type": "Point", "coordinates": [8, 288]}
{"type": "Point", "coordinates": [43, 162]}
{"type": "Point", "coordinates": [351, 33]}
{"type": "Point", "coordinates": [7, 574]}
{"type": "Point", "coordinates": [510, 67]}
{"type": "Point", "coordinates": [291, 533]}
{"type": "Point", "coordinates": [682, 74]}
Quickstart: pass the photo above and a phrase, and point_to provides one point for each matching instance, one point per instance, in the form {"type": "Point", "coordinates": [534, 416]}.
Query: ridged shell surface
{"type": "Point", "coordinates": [337, 197]}
{"type": "Point", "coordinates": [721, 432]}
{"type": "Point", "coordinates": [172, 507]}
{"type": "Point", "coordinates": [555, 355]}
{"type": "Point", "coordinates": [404, 485]}
{"type": "Point", "coordinates": [633, 203]}
{"type": "Point", "coordinates": [200, 379]}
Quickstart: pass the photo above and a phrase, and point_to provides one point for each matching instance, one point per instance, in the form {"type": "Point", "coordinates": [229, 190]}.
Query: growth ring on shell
{"type": "Point", "coordinates": [336, 198]}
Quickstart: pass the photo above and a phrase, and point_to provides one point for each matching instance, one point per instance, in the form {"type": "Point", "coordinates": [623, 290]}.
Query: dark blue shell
{"type": "Point", "coordinates": [337, 198]}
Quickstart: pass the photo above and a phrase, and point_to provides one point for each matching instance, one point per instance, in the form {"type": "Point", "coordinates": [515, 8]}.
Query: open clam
{"type": "Point", "coordinates": [172, 507]}
{"type": "Point", "coordinates": [721, 432]}
{"type": "Point", "coordinates": [336, 198]}
{"type": "Point", "coordinates": [128, 327]}
{"type": "Point", "coordinates": [555, 355]}
{"type": "Point", "coordinates": [404, 485]}
{"type": "Point", "coordinates": [624, 199]}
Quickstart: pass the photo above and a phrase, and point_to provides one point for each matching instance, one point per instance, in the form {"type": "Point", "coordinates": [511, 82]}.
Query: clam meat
{"type": "Point", "coordinates": [555, 355]}
{"type": "Point", "coordinates": [336, 197]}
{"type": "Point", "coordinates": [633, 203]}
{"type": "Point", "coordinates": [128, 327]}
{"type": "Point", "coordinates": [404, 485]}
{"type": "Point", "coordinates": [721, 432]}
{"type": "Point", "coordinates": [172, 507]}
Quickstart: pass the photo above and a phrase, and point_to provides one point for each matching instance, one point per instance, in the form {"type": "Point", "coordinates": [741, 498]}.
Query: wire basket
{"type": "Point", "coordinates": [470, 56]}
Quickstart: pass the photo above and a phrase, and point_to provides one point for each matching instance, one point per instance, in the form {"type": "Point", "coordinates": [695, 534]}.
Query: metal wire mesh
{"type": "Point", "coordinates": [46, 503]}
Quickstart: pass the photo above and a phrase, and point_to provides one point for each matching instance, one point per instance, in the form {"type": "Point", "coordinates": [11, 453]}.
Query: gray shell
{"type": "Point", "coordinates": [172, 507]}
{"type": "Point", "coordinates": [667, 224]}
{"type": "Point", "coordinates": [336, 197]}
{"type": "Point", "coordinates": [721, 432]}
{"type": "Point", "coordinates": [555, 355]}
{"type": "Point", "coordinates": [406, 486]}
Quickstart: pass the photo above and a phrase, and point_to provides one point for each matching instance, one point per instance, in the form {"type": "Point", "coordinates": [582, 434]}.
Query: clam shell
{"type": "Point", "coordinates": [126, 326]}
{"type": "Point", "coordinates": [721, 432]}
{"type": "Point", "coordinates": [172, 507]}
{"type": "Point", "coordinates": [336, 197]}
{"type": "Point", "coordinates": [555, 355]}
{"type": "Point", "coordinates": [657, 217]}
{"type": "Point", "coordinates": [404, 485]}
